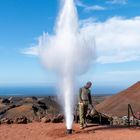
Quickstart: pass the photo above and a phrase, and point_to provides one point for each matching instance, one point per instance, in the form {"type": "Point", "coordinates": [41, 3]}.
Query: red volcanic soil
{"type": "Point", "coordinates": [49, 131]}
{"type": "Point", "coordinates": [118, 104]}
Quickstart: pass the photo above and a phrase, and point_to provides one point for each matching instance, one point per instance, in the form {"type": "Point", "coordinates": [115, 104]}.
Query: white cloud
{"type": "Point", "coordinates": [95, 7]}
{"type": "Point", "coordinates": [31, 51]}
{"type": "Point", "coordinates": [122, 2]}
{"type": "Point", "coordinates": [129, 76]}
{"type": "Point", "coordinates": [89, 8]}
{"type": "Point", "coordinates": [117, 39]}
{"type": "Point", "coordinates": [88, 21]}
{"type": "Point", "coordinates": [118, 58]}
{"type": "Point", "coordinates": [80, 4]}
{"type": "Point", "coordinates": [124, 72]}
{"type": "Point", "coordinates": [112, 77]}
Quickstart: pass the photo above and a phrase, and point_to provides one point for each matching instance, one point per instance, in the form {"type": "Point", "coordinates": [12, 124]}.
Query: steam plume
{"type": "Point", "coordinates": [68, 53]}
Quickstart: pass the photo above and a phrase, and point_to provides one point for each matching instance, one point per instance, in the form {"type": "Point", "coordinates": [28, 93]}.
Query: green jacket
{"type": "Point", "coordinates": [85, 95]}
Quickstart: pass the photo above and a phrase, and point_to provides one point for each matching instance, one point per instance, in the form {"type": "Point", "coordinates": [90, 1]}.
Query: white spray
{"type": "Point", "coordinates": [68, 52]}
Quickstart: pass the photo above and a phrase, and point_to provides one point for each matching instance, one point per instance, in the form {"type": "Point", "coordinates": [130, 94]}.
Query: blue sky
{"type": "Point", "coordinates": [114, 22]}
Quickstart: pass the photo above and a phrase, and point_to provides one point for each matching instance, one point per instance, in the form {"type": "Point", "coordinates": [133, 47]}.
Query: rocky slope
{"type": "Point", "coordinates": [117, 105]}
{"type": "Point", "coordinates": [27, 109]}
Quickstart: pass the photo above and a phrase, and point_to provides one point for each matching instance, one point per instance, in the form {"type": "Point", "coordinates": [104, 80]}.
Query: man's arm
{"type": "Point", "coordinates": [80, 92]}
{"type": "Point", "coordinates": [90, 102]}
{"type": "Point", "coordinates": [90, 99]}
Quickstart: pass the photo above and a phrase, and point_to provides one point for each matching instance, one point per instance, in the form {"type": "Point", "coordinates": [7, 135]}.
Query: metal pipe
{"type": "Point", "coordinates": [69, 131]}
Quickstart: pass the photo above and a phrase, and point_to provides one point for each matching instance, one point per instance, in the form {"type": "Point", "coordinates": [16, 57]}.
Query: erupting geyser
{"type": "Point", "coordinates": [68, 53]}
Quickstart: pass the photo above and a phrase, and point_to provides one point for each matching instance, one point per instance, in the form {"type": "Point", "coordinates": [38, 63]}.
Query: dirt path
{"type": "Point", "coordinates": [41, 131]}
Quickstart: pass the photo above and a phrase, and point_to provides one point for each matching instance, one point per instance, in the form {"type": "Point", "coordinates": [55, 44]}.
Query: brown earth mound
{"type": "Point", "coordinates": [49, 131]}
{"type": "Point", "coordinates": [25, 110]}
{"type": "Point", "coordinates": [32, 108]}
{"type": "Point", "coordinates": [117, 105]}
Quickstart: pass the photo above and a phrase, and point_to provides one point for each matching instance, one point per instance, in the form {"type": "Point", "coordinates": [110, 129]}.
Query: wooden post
{"type": "Point", "coordinates": [100, 118]}
{"type": "Point", "coordinates": [128, 115]}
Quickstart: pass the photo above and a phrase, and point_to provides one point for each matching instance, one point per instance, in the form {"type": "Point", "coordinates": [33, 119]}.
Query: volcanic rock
{"type": "Point", "coordinates": [33, 108]}
{"type": "Point", "coordinates": [52, 105]}
{"type": "Point", "coordinates": [23, 110]}
{"type": "Point", "coordinates": [59, 118]}
{"type": "Point", "coordinates": [42, 105]}
{"type": "Point", "coordinates": [117, 105]}
{"type": "Point", "coordinates": [45, 120]}
{"type": "Point", "coordinates": [6, 121]}
{"type": "Point", "coordinates": [12, 106]}
{"type": "Point", "coordinates": [5, 101]}
{"type": "Point", "coordinates": [2, 111]}
{"type": "Point", "coordinates": [21, 120]}
{"type": "Point", "coordinates": [29, 100]}
{"type": "Point", "coordinates": [34, 98]}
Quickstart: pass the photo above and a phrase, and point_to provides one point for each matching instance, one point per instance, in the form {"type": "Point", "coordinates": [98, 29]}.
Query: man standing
{"type": "Point", "coordinates": [84, 101]}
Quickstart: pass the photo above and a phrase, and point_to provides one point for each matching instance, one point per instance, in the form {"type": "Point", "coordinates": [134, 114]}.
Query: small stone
{"type": "Point", "coordinates": [5, 101]}
{"type": "Point", "coordinates": [45, 120]}
{"type": "Point", "coordinates": [21, 120]}
{"type": "Point", "coordinates": [6, 121]}
{"type": "Point", "coordinates": [59, 118]}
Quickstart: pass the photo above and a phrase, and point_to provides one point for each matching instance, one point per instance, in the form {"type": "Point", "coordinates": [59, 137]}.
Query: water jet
{"type": "Point", "coordinates": [68, 53]}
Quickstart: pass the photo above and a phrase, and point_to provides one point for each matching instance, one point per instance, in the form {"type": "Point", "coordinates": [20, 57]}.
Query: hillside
{"type": "Point", "coordinates": [117, 104]}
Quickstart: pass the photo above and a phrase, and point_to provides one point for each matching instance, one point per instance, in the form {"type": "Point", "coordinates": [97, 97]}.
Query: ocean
{"type": "Point", "coordinates": [50, 91]}
{"type": "Point", "coordinates": [27, 91]}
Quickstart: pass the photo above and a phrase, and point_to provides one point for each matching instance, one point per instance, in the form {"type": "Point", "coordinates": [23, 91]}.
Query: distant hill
{"type": "Point", "coordinates": [117, 104]}
{"type": "Point", "coordinates": [33, 108]}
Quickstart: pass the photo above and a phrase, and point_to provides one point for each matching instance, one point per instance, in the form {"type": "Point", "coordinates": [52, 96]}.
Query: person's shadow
{"type": "Point", "coordinates": [92, 128]}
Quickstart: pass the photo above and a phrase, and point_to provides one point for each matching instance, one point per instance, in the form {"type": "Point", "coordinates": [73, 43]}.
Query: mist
{"type": "Point", "coordinates": [69, 53]}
